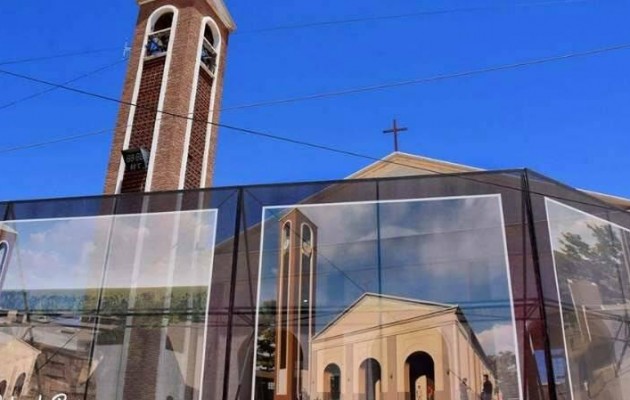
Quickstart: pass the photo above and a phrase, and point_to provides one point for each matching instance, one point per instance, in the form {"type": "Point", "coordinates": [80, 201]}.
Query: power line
{"type": "Point", "coordinates": [316, 24]}
{"type": "Point", "coordinates": [336, 93]}
{"type": "Point", "coordinates": [320, 147]}
{"type": "Point", "coordinates": [67, 138]}
{"type": "Point", "coordinates": [348, 21]}
{"type": "Point", "coordinates": [429, 79]}
{"type": "Point", "coordinates": [401, 16]}
{"type": "Point", "coordinates": [56, 56]}
{"type": "Point", "coordinates": [52, 89]}
{"type": "Point", "coordinates": [316, 145]}
{"type": "Point", "coordinates": [54, 141]}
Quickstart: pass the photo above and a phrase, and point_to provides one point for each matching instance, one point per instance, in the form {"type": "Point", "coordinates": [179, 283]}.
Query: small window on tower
{"type": "Point", "coordinates": [208, 51]}
{"type": "Point", "coordinates": [157, 42]}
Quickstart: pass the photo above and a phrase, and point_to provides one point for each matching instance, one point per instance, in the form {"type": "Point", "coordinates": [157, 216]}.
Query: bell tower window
{"type": "Point", "coordinates": [208, 51]}
{"type": "Point", "coordinates": [306, 277]}
{"type": "Point", "coordinates": [159, 37]}
{"type": "Point", "coordinates": [283, 304]}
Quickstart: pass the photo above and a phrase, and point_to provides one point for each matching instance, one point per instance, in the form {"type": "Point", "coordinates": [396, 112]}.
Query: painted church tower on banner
{"type": "Point", "coordinates": [164, 137]}
{"type": "Point", "coordinates": [295, 304]}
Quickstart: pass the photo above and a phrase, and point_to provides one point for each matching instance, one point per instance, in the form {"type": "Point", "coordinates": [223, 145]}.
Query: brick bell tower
{"type": "Point", "coordinates": [176, 66]}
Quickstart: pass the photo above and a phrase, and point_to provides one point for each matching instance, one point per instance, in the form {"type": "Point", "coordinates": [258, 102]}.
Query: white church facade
{"type": "Point", "coordinates": [388, 348]}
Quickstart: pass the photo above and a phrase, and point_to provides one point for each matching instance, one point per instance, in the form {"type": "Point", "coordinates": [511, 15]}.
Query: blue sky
{"type": "Point", "coordinates": [567, 119]}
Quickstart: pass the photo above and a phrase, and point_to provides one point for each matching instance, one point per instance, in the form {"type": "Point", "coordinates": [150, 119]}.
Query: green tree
{"type": "Point", "coordinates": [598, 260]}
{"type": "Point", "coordinates": [266, 349]}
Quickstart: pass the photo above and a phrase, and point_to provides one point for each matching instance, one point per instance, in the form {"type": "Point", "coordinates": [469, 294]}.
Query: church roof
{"type": "Point", "coordinates": [404, 164]}
{"type": "Point", "coordinates": [13, 348]}
{"type": "Point", "coordinates": [378, 310]}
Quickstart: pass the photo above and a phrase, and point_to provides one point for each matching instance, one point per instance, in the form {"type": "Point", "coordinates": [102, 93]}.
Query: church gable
{"type": "Point", "coordinates": [373, 310]}
{"type": "Point", "coordinates": [403, 164]}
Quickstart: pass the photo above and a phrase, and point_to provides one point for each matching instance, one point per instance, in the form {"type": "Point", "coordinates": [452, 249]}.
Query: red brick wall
{"type": "Point", "coordinates": [143, 359]}
{"type": "Point", "coordinates": [197, 143]}
{"type": "Point", "coordinates": [144, 119]}
{"type": "Point", "coordinates": [216, 107]}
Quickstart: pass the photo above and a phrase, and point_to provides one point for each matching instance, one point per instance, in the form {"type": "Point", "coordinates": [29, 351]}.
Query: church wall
{"type": "Point", "coordinates": [391, 345]}
{"type": "Point", "coordinates": [145, 116]}
{"type": "Point", "coordinates": [196, 147]}
{"type": "Point", "coordinates": [215, 112]}
{"type": "Point", "coordinates": [464, 361]}
{"type": "Point", "coordinates": [395, 368]}
{"type": "Point", "coordinates": [448, 345]}
{"type": "Point", "coordinates": [229, 366]}
{"type": "Point", "coordinates": [333, 355]}
{"type": "Point", "coordinates": [364, 350]}
{"type": "Point", "coordinates": [350, 379]}
{"type": "Point", "coordinates": [168, 156]}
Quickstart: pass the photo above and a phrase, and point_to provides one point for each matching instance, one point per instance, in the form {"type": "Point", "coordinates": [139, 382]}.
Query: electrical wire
{"type": "Point", "coordinates": [54, 141]}
{"type": "Point", "coordinates": [68, 138]}
{"type": "Point", "coordinates": [430, 79]}
{"type": "Point", "coordinates": [314, 25]}
{"type": "Point", "coordinates": [348, 21]}
{"type": "Point", "coordinates": [356, 90]}
{"type": "Point", "coordinates": [57, 56]}
{"type": "Point", "coordinates": [341, 92]}
{"type": "Point", "coordinates": [333, 149]}
{"type": "Point", "coordinates": [52, 89]}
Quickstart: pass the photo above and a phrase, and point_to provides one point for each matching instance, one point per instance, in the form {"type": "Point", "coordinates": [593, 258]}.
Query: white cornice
{"type": "Point", "coordinates": [223, 13]}
{"type": "Point", "coordinates": [218, 6]}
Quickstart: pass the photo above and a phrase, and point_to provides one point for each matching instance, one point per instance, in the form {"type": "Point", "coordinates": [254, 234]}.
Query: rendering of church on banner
{"type": "Point", "coordinates": [404, 299]}
{"type": "Point", "coordinates": [93, 307]}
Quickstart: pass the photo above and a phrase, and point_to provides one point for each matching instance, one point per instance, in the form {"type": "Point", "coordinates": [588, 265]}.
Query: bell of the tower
{"type": "Point", "coordinates": [164, 137]}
